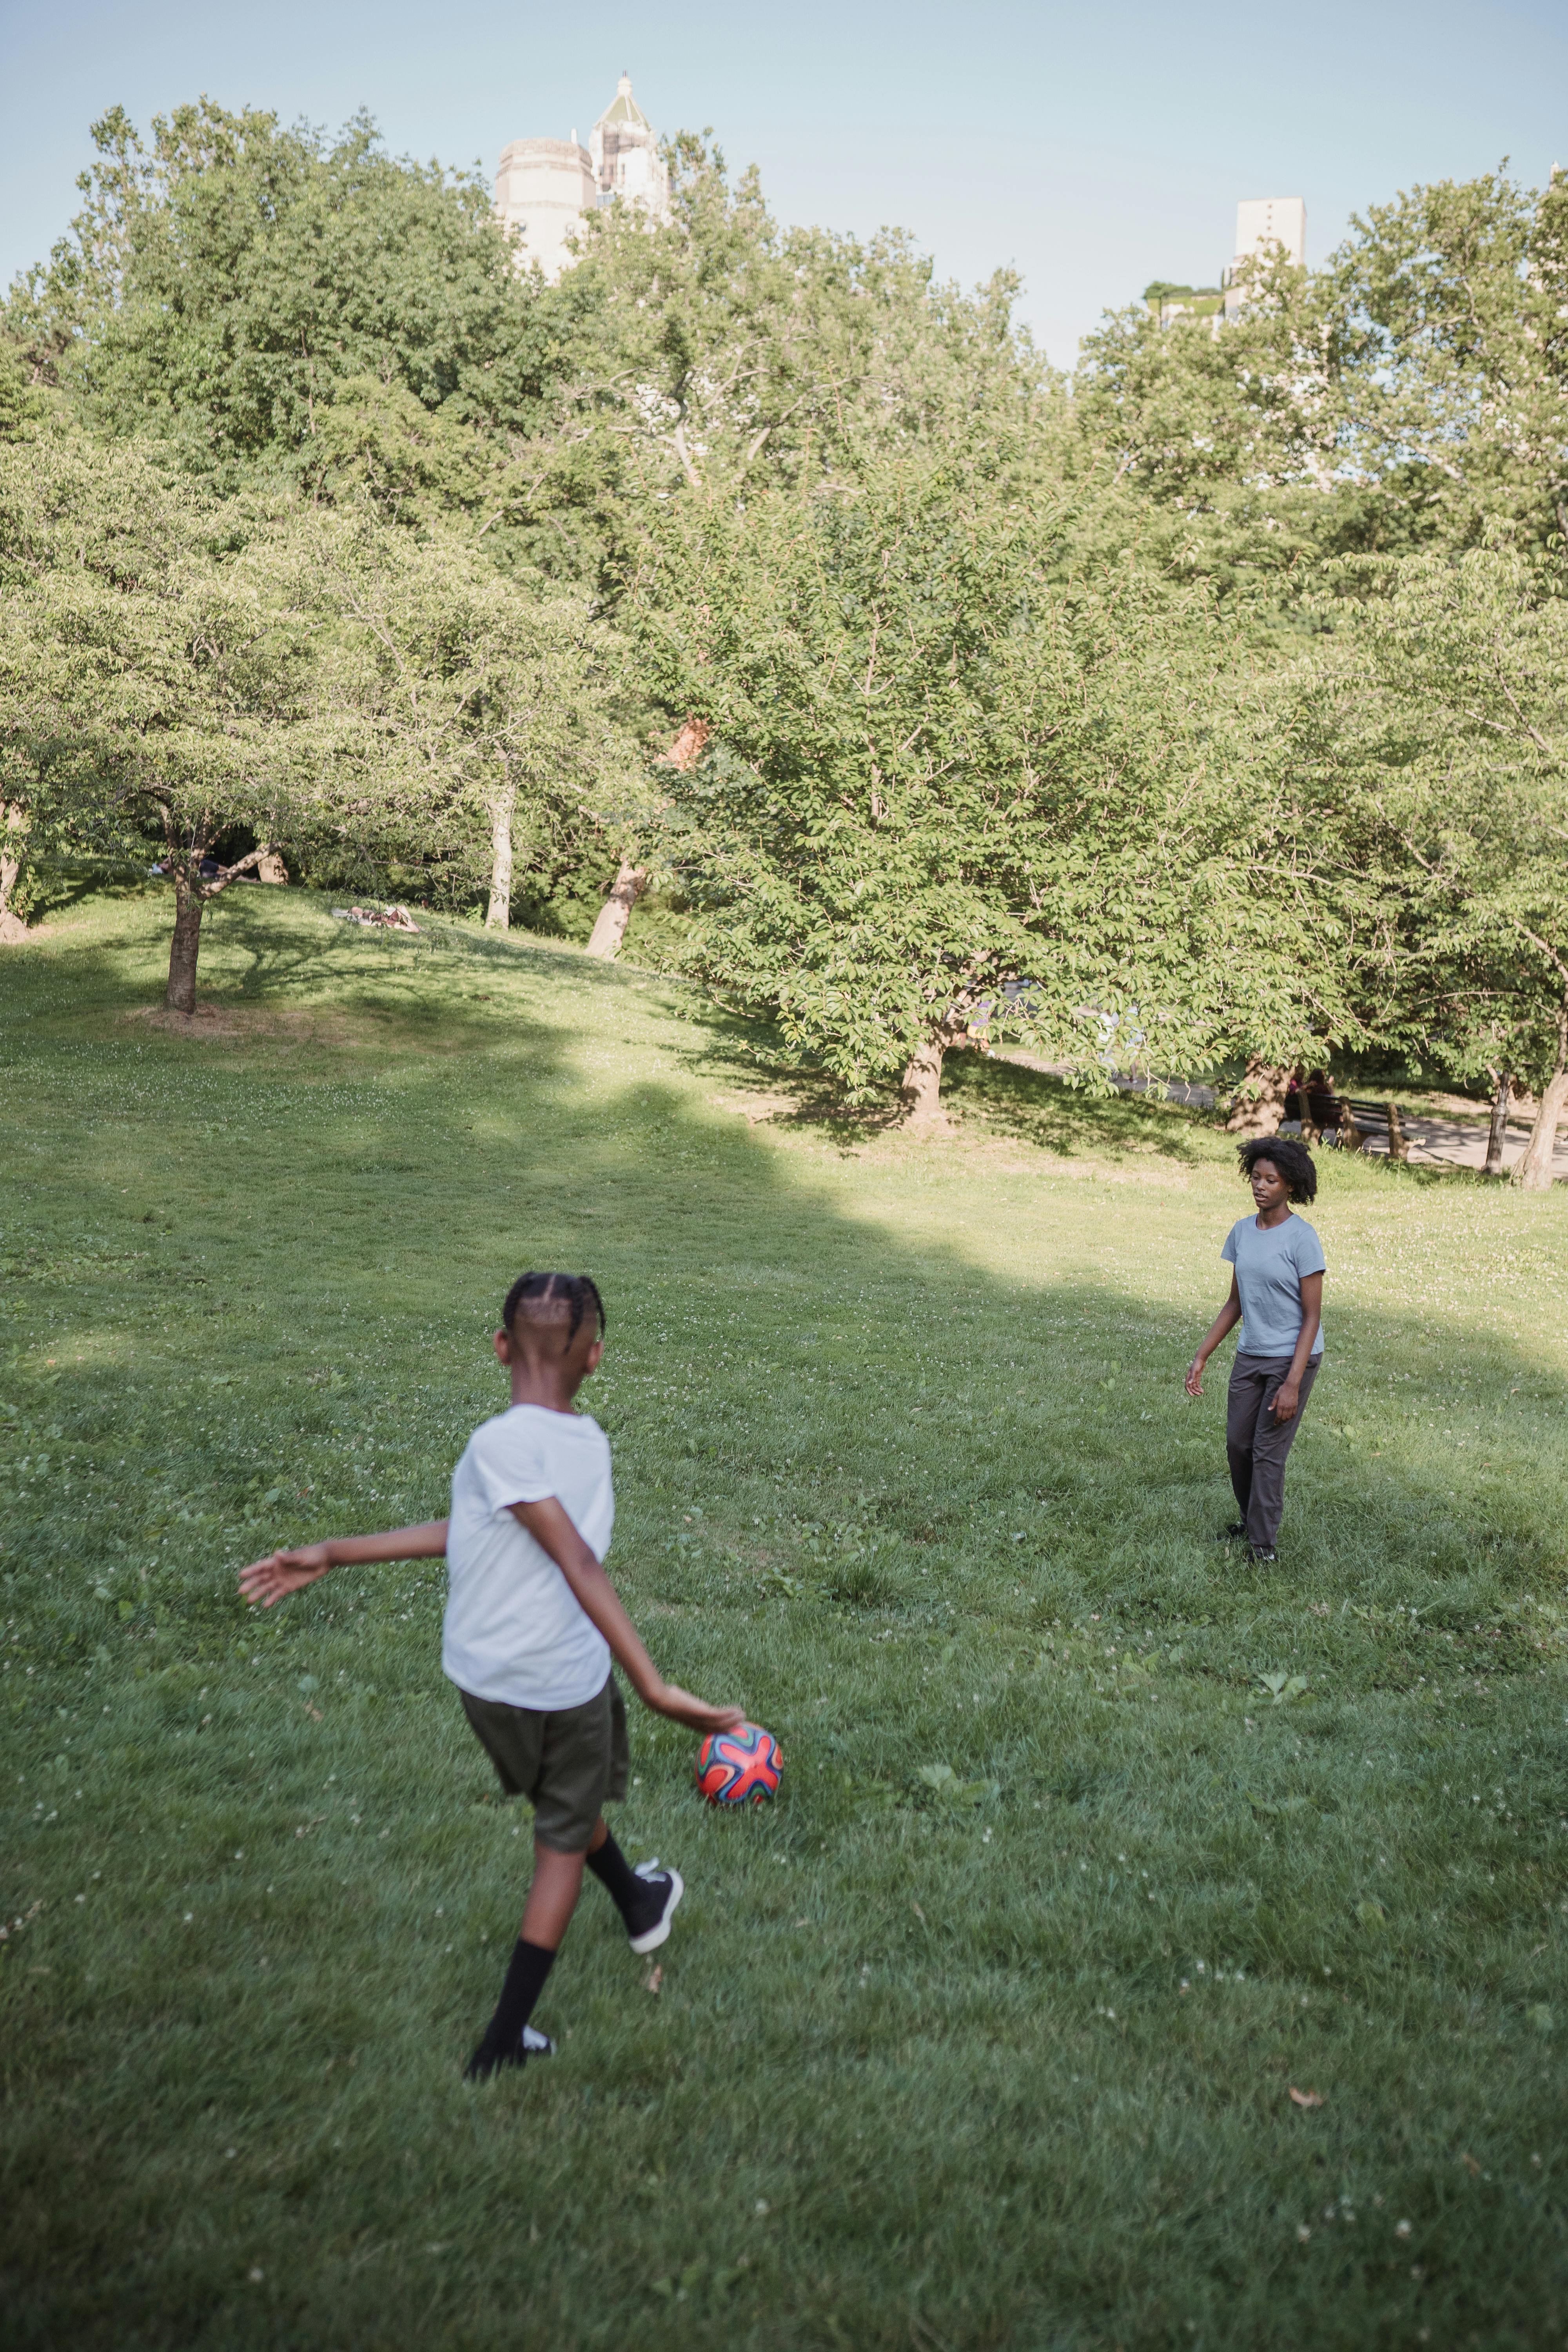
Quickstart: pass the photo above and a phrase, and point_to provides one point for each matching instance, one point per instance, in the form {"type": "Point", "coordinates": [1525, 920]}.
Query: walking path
{"type": "Point", "coordinates": [1435, 1139]}
{"type": "Point", "coordinates": [1462, 1142]}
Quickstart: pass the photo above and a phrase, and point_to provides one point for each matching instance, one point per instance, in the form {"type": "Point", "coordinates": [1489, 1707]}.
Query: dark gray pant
{"type": "Point", "coordinates": [1256, 1444]}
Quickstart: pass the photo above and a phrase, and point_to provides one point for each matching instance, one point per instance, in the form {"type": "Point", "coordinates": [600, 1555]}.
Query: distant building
{"type": "Point", "coordinates": [1261, 222]}
{"type": "Point", "coordinates": [1265, 221]}
{"type": "Point", "coordinates": [545, 186]}
{"type": "Point", "coordinates": [542, 189]}
{"type": "Point", "coordinates": [1169, 302]}
{"type": "Point", "coordinates": [627, 164]}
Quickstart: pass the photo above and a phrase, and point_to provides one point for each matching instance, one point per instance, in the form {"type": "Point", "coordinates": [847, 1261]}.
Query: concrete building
{"type": "Point", "coordinates": [542, 189]}
{"type": "Point", "coordinates": [545, 186]}
{"type": "Point", "coordinates": [1265, 221]}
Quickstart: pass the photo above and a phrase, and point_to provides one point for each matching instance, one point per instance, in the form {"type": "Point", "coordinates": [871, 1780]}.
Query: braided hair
{"type": "Point", "coordinates": [577, 1292]}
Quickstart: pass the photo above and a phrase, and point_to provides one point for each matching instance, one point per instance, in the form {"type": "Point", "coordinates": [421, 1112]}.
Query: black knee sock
{"type": "Point", "coordinates": [616, 1875]}
{"type": "Point", "coordinates": [531, 1963]}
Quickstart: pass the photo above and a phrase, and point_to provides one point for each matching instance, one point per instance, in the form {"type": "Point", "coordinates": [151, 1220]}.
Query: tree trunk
{"type": "Point", "coordinates": [12, 825]}
{"type": "Point", "coordinates": [1496, 1132]}
{"type": "Point", "coordinates": [1398, 1148]}
{"type": "Point", "coordinates": [180, 996]}
{"type": "Point", "coordinates": [12, 927]}
{"type": "Point", "coordinates": [610, 926]}
{"type": "Point", "coordinates": [498, 914]}
{"type": "Point", "coordinates": [1534, 1170]}
{"type": "Point", "coordinates": [922, 1085]}
{"type": "Point", "coordinates": [1259, 1104]}
{"type": "Point", "coordinates": [689, 746]}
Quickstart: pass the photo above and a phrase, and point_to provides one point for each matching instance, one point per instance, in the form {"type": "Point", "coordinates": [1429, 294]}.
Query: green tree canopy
{"type": "Point", "coordinates": [480, 715]}
{"type": "Point", "coordinates": [224, 281]}
{"type": "Point", "coordinates": [1460, 710]}
{"type": "Point", "coordinates": [1450, 309]}
{"type": "Point", "coordinates": [943, 789]}
{"type": "Point", "coordinates": [155, 670]}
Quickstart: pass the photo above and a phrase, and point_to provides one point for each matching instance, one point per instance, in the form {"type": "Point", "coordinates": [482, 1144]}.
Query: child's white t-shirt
{"type": "Point", "coordinates": [514, 1631]}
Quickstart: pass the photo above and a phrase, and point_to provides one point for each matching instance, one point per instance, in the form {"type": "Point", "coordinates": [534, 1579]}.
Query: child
{"type": "Point", "coordinates": [1276, 1296]}
{"type": "Point", "coordinates": [531, 1624]}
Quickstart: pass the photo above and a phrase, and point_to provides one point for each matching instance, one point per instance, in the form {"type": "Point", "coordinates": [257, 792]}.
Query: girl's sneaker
{"type": "Point", "coordinates": [665, 1889]}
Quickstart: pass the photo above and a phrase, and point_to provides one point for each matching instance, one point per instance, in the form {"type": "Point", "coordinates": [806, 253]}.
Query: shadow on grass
{"type": "Point", "coordinates": [278, 971]}
{"type": "Point", "coordinates": [1031, 1108]}
{"type": "Point", "coordinates": [988, 1095]}
{"type": "Point", "coordinates": [788, 1382]}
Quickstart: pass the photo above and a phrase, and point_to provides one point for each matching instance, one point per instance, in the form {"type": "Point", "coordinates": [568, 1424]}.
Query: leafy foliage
{"type": "Point", "coordinates": [1464, 671]}
{"type": "Point", "coordinates": [223, 283]}
{"type": "Point", "coordinates": [155, 667]}
{"type": "Point", "coordinates": [1129, 721]}
{"type": "Point", "coordinates": [948, 790]}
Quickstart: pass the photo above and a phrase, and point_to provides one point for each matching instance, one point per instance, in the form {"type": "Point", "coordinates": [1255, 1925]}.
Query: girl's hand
{"type": "Point", "coordinates": [1287, 1398]}
{"type": "Point", "coordinates": [1193, 1383]}
{"type": "Point", "coordinates": [671, 1700]}
{"type": "Point", "coordinates": [273, 1578]}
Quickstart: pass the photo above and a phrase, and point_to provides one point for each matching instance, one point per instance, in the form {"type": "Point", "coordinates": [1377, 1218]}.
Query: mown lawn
{"type": "Point", "coordinates": [1000, 2058]}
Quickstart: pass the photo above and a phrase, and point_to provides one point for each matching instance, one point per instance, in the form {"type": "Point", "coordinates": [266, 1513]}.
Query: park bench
{"type": "Point", "coordinates": [1352, 1117]}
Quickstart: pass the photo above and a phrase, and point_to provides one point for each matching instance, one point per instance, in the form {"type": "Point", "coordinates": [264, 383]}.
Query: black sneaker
{"type": "Point", "coordinates": [485, 2061]}
{"type": "Point", "coordinates": [665, 1889]}
{"type": "Point", "coordinates": [1232, 1534]}
{"type": "Point", "coordinates": [1263, 1558]}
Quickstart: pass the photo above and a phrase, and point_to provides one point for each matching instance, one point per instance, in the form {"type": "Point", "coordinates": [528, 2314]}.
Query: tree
{"type": "Point", "coordinates": [154, 672]}
{"type": "Point", "coordinates": [1451, 312]}
{"type": "Point", "coordinates": [718, 349]}
{"type": "Point", "coordinates": [481, 708]}
{"type": "Point", "coordinates": [1218, 438]}
{"type": "Point", "coordinates": [1464, 678]}
{"type": "Point", "coordinates": [945, 790]}
{"type": "Point", "coordinates": [224, 286]}
{"type": "Point", "coordinates": [23, 412]}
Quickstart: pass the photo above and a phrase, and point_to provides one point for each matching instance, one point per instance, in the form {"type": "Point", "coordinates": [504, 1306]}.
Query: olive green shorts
{"type": "Point", "coordinates": [568, 1765]}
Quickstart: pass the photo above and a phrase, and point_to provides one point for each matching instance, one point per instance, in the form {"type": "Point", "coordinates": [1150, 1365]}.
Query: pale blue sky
{"type": "Point", "coordinates": [1092, 148]}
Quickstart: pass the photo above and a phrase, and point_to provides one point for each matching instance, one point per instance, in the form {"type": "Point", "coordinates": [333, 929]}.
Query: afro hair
{"type": "Point", "coordinates": [1293, 1160]}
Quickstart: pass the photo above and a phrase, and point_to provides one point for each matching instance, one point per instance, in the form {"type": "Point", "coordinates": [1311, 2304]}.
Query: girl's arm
{"type": "Point", "coordinates": [272, 1580]}
{"type": "Point", "coordinates": [548, 1522]}
{"type": "Point", "coordinates": [1287, 1395]}
{"type": "Point", "coordinates": [1227, 1319]}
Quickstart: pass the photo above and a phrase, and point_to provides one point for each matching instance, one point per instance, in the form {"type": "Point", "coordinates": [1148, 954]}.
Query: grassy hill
{"type": "Point", "coordinates": [998, 2055]}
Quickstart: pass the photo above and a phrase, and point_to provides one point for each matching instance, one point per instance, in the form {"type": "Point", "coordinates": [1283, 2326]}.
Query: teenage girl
{"type": "Point", "coordinates": [1276, 1296]}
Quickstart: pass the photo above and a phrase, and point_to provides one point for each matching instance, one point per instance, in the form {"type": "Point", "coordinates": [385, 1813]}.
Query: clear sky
{"type": "Point", "coordinates": [1093, 147]}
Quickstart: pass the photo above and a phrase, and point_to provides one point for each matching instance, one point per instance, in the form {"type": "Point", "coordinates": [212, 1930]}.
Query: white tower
{"type": "Point", "coordinates": [626, 162]}
{"type": "Point", "coordinates": [1262, 222]}
{"type": "Point", "coordinates": [543, 188]}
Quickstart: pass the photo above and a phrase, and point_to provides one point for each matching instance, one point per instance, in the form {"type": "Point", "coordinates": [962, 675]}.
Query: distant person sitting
{"type": "Point", "coordinates": [1320, 1107]}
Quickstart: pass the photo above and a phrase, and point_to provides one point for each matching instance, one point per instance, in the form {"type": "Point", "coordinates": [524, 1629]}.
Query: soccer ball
{"type": "Point", "coordinates": [740, 1766]}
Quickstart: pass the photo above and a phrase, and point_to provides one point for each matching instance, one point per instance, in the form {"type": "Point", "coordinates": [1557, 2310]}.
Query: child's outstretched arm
{"type": "Point", "coordinates": [273, 1578]}
{"type": "Point", "coordinates": [549, 1525]}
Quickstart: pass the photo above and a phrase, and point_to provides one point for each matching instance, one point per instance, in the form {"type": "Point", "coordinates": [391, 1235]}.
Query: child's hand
{"type": "Point", "coordinates": [1193, 1383]}
{"type": "Point", "coordinates": [274, 1579]}
{"type": "Point", "coordinates": [671, 1700]}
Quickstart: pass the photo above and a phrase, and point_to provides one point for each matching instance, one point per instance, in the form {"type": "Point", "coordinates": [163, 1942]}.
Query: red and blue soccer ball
{"type": "Point", "coordinates": [740, 1766]}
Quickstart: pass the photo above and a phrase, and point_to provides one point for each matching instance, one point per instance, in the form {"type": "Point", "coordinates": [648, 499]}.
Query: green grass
{"type": "Point", "coordinates": [904, 1465]}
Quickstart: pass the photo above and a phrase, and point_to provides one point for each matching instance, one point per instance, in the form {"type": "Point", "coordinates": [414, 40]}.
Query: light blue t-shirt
{"type": "Point", "coordinates": [1269, 1261]}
